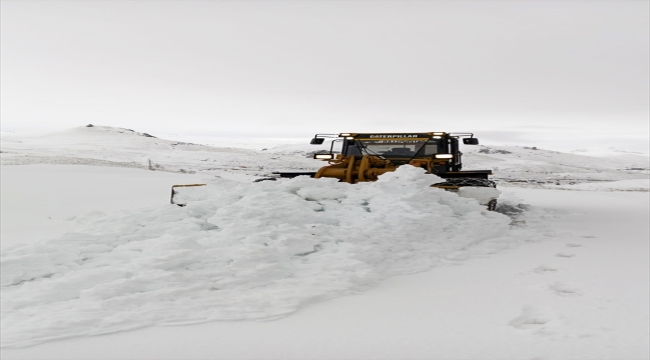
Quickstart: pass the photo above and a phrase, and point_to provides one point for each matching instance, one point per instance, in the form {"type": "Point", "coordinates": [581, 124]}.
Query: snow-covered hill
{"type": "Point", "coordinates": [107, 146]}
{"type": "Point", "coordinates": [530, 166]}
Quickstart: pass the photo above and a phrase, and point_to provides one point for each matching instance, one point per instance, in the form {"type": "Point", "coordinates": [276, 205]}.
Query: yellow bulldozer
{"type": "Point", "coordinates": [365, 156]}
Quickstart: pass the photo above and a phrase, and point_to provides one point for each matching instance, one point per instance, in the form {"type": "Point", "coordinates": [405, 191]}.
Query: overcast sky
{"type": "Point", "coordinates": [506, 68]}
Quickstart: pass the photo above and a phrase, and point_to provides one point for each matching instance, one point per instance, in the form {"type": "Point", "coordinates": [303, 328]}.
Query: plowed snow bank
{"type": "Point", "coordinates": [250, 251]}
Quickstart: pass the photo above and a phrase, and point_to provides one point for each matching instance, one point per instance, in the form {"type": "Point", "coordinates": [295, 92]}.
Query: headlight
{"type": "Point", "coordinates": [444, 156]}
{"type": "Point", "coordinates": [344, 134]}
{"type": "Point", "coordinates": [324, 156]}
{"type": "Point", "coordinates": [438, 133]}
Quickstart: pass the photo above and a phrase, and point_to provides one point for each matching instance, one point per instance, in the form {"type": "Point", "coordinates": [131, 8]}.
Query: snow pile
{"type": "Point", "coordinates": [250, 251]}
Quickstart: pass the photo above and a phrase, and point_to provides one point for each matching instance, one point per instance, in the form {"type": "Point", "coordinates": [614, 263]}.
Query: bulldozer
{"type": "Point", "coordinates": [365, 156]}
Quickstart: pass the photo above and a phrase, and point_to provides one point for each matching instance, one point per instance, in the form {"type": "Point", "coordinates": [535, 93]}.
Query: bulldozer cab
{"type": "Point", "coordinates": [399, 146]}
{"type": "Point", "coordinates": [439, 149]}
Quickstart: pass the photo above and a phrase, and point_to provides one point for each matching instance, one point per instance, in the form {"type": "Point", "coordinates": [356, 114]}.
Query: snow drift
{"type": "Point", "coordinates": [249, 251]}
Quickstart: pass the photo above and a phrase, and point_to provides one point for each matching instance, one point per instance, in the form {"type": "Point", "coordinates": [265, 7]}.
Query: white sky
{"type": "Point", "coordinates": [509, 69]}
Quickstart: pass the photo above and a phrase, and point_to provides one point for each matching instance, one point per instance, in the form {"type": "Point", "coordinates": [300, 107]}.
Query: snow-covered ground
{"type": "Point", "coordinates": [385, 270]}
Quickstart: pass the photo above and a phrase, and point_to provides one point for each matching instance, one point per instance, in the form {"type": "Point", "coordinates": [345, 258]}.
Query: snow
{"type": "Point", "coordinates": [563, 277]}
{"type": "Point", "coordinates": [258, 251]}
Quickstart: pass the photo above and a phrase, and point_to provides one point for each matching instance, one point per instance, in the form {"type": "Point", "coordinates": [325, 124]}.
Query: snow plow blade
{"type": "Point", "coordinates": [174, 198]}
